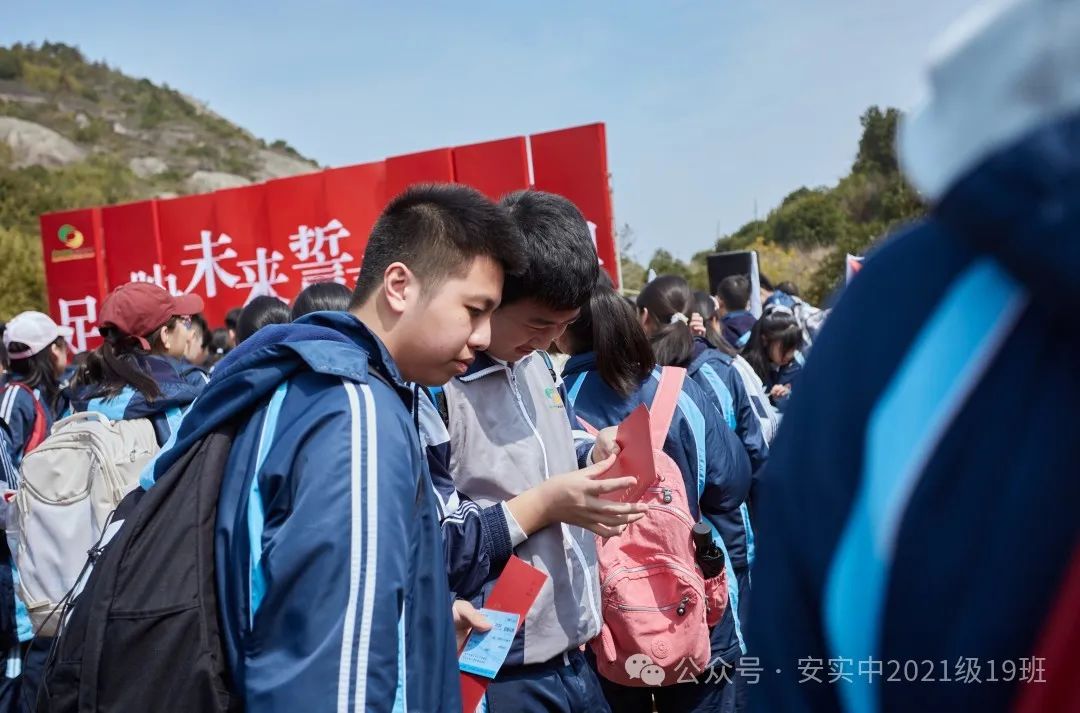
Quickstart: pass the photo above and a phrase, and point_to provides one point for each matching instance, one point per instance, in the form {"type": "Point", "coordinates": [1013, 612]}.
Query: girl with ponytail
{"type": "Point", "coordinates": [706, 326]}
{"type": "Point", "coordinates": [124, 378]}
{"type": "Point", "coordinates": [611, 371]}
{"type": "Point", "coordinates": [665, 307]}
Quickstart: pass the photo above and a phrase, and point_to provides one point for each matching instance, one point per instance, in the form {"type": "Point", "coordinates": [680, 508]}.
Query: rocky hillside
{"type": "Point", "coordinates": [75, 132]}
{"type": "Point", "coordinates": [57, 108]}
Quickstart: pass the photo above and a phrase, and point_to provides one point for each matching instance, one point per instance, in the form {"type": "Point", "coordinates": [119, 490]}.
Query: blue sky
{"type": "Point", "coordinates": [710, 106]}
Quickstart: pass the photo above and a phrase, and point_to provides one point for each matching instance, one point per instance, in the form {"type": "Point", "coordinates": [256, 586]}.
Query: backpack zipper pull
{"type": "Point", "coordinates": [682, 605]}
{"type": "Point", "coordinates": [667, 496]}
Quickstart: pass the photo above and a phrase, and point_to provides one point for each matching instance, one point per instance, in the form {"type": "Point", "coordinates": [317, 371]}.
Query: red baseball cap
{"type": "Point", "coordinates": [138, 308]}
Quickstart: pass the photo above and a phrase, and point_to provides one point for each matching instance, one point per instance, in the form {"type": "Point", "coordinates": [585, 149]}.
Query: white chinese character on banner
{"type": "Point", "coordinates": [308, 242]}
{"type": "Point", "coordinates": [261, 274]}
{"type": "Point", "coordinates": [159, 278]}
{"type": "Point", "coordinates": [320, 254]}
{"type": "Point", "coordinates": [206, 266]}
{"type": "Point", "coordinates": [77, 314]}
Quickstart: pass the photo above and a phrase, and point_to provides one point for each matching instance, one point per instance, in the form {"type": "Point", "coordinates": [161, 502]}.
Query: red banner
{"type": "Point", "coordinates": [275, 238]}
{"type": "Point", "coordinates": [132, 249]}
{"type": "Point", "coordinates": [356, 195]}
{"type": "Point", "coordinates": [573, 163]}
{"type": "Point", "coordinates": [436, 166]}
{"type": "Point", "coordinates": [193, 255]}
{"type": "Point", "coordinates": [74, 271]}
{"type": "Point", "coordinates": [495, 168]}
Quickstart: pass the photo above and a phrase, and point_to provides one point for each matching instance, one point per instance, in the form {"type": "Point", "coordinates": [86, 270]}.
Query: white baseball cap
{"type": "Point", "coordinates": [34, 329]}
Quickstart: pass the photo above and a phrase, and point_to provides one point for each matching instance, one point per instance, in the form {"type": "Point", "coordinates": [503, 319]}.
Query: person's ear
{"type": "Point", "coordinates": [643, 316]}
{"type": "Point", "coordinates": [400, 286]}
{"type": "Point", "coordinates": [59, 354]}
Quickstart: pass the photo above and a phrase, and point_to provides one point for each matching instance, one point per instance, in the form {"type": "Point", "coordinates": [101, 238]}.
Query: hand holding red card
{"type": "Point", "coordinates": [515, 591]}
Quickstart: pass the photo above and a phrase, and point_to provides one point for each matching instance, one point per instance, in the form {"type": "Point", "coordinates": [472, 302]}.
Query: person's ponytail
{"type": "Point", "coordinates": [114, 365]}
{"type": "Point", "coordinates": [668, 300]}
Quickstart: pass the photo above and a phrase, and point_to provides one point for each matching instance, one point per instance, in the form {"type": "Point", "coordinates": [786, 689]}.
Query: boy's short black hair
{"type": "Point", "coordinates": [561, 265]}
{"type": "Point", "coordinates": [437, 230]}
{"type": "Point", "coordinates": [734, 292]}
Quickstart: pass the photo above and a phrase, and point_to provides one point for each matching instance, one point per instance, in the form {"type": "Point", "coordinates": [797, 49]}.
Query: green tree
{"type": "Point", "coordinates": [10, 65]}
{"type": "Point", "coordinates": [814, 218]}
{"type": "Point", "coordinates": [664, 263]}
{"type": "Point", "coordinates": [20, 273]}
{"type": "Point", "coordinates": [877, 147]}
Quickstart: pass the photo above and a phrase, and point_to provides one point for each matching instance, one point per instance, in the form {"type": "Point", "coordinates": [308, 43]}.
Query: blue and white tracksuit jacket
{"type": "Point", "coordinates": [715, 372]}
{"type": "Point", "coordinates": [920, 503]}
{"type": "Point", "coordinates": [330, 569]}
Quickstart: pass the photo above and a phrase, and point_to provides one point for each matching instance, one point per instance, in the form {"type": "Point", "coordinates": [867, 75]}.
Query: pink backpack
{"type": "Point", "coordinates": [657, 605]}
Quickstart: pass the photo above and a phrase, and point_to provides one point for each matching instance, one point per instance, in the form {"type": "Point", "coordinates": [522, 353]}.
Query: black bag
{"type": "Point", "coordinates": [143, 633]}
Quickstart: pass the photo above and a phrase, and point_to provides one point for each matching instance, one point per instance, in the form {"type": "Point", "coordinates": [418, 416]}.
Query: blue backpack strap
{"type": "Point", "coordinates": [438, 397]}
{"type": "Point", "coordinates": [575, 387]}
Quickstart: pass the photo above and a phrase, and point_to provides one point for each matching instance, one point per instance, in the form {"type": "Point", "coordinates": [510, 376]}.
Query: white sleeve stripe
{"type": "Point", "coordinates": [371, 554]}
{"type": "Point", "coordinates": [345, 664]}
{"type": "Point", "coordinates": [8, 404]}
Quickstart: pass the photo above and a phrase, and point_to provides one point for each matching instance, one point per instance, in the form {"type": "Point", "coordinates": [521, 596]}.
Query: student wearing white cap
{"type": "Point", "coordinates": [33, 396]}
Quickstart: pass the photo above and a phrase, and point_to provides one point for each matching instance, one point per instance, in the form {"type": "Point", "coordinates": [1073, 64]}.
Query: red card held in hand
{"type": "Point", "coordinates": [515, 591]}
{"type": "Point", "coordinates": [635, 456]}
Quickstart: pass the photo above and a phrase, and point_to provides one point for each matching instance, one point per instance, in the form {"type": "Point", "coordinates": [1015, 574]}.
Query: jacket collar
{"type": "Point", "coordinates": [485, 365]}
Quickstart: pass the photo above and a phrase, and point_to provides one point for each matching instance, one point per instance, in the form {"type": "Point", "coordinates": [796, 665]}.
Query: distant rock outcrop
{"type": "Point", "coordinates": [35, 145]}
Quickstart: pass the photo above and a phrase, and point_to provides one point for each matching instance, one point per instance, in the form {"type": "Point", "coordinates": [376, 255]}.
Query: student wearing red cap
{"type": "Point", "coordinates": [122, 378]}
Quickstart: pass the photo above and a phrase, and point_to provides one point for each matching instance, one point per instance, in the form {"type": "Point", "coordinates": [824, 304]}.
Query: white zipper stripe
{"type": "Point", "coordinates": [586, 571]}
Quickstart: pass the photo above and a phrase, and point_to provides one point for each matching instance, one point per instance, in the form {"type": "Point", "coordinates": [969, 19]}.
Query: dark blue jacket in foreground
{"type": "Point", "coordinates": [920, 503]}
{"type": "Point", "coordinates": [709, 455]}
{"type": "Point", "coordinates": [329, 558]}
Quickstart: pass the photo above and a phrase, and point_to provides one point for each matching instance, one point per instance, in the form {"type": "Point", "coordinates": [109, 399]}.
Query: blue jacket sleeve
{"type": "Point", "coordinates": [727, 474]}
{"type": "Point", "coordinates": [476, 540]}
{"type": "Point", "coordinates": [747, 425]}
{"type": "Point", "coordinates": [336, 556]}
{"type": "Point", "coordinates": [17, 411]}
{"type": "Point", "coordinates": [8, 471]}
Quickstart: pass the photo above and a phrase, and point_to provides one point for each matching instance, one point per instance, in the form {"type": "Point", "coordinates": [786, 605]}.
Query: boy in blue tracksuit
{"type": "Point", "coordinates": [331, 575]}
{"type": "Point", "coordinates": [919, 506]}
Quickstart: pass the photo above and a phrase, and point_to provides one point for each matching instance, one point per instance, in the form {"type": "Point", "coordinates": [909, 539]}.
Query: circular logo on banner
{"type": "Point", "coordinates": [70, 236]}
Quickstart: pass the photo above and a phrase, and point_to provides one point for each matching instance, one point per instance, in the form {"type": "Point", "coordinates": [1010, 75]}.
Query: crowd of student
{"type": "Point", "coordinates": [319, 499]}
{"type": "Point", "coordinates": [391, 447]}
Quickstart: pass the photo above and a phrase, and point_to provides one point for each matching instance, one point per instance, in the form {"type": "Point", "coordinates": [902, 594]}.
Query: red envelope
{"type": "Point", "coordinates": [514, 591]}
{"type": "Point", "coordinates": [635, 456]}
